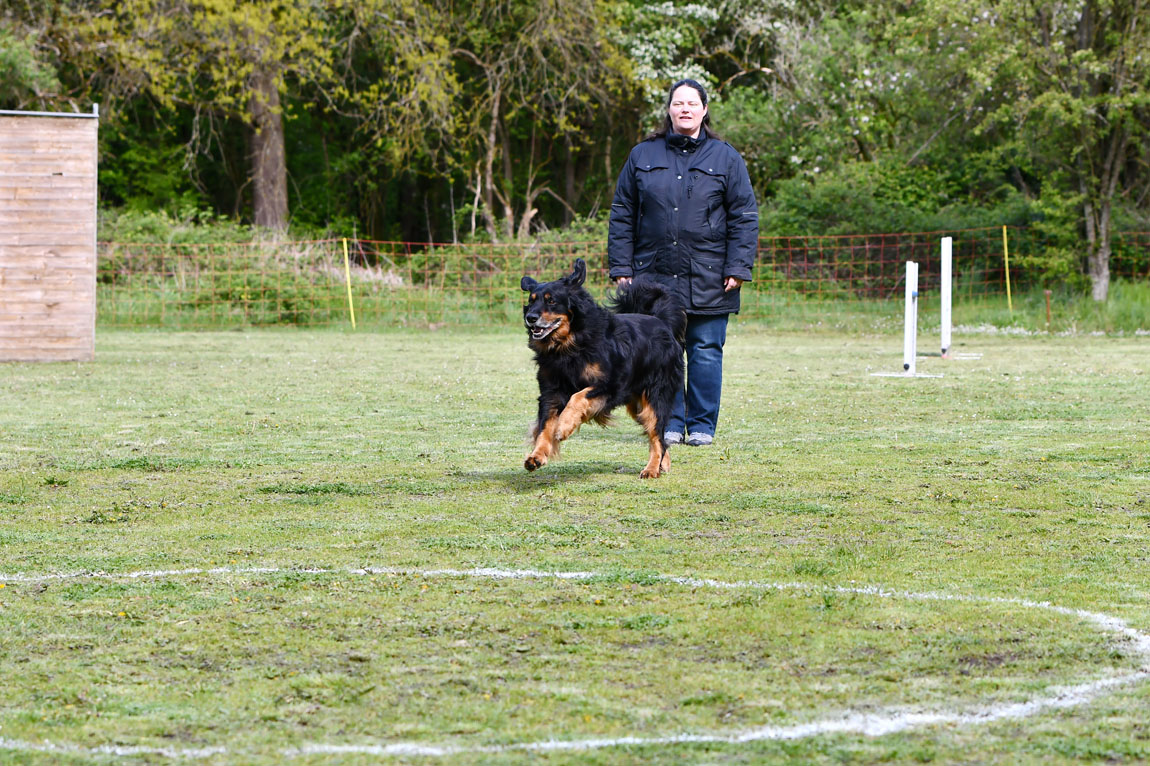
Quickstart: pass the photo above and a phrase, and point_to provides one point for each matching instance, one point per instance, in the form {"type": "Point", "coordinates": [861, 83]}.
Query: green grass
{"type": "Point", "coordinates": [1024, 474]}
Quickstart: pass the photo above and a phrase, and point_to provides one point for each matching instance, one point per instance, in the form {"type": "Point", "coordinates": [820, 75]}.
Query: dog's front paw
{"type": "Point", "coordinates": [534, 461]}
{"type": "Point", "coordinates": [649, 473]}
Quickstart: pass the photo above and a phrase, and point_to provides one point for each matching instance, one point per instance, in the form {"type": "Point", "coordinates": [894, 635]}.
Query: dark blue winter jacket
{"type": "Point", "coordinates": [685, 216]}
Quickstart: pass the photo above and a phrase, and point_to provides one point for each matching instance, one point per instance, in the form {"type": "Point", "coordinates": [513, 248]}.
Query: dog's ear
{"type": "Point", "coordinates": [578, 275]}
{"type": "Point", "coordinates": [528, 284]}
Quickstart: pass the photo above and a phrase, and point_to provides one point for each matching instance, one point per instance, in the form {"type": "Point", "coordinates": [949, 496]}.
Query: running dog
{"type": "Point", "coordinates": [591, 359]}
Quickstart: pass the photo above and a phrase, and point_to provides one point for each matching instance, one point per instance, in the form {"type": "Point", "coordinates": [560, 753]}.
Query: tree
{"type": "Point", "coordinates": [25, 78]}
{"type": "Point", "coordinates": [1073, 80]}
{"type": "Point", "coordinates": [529, 71]}
{"type": "Point", "coordinates": [222, 59]}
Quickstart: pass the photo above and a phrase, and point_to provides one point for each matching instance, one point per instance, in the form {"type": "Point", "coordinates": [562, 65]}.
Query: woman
{"type": "Point", "coordinates": [685, 215]}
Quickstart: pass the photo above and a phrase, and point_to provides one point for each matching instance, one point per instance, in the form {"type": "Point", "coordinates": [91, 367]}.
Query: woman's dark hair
{"type": "Point", "coordinates": [667, 127]}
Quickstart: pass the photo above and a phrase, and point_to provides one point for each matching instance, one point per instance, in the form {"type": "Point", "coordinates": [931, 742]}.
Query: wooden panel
{"type": "Point", "coordinates": [13, 253]}
{"type": "Point", "coordinates": [78, 238]}
{"type": "Point", "coordinates": [46, 166]}
{"type": "Point", "coordinates": [47, 238]}
{"type": "Point", "coordinates": [9, 216]}
{"type": "Point", "coordinates": [30, 313]}
{"type": "Point", "coordinates": [18, 142]}
{"type": "Point", "coordinates": [22, 131]}
{"type": "Point", "coordinates": [71, 334]}
{"type": "Point", "coordinates": [47, 353]}
{"type": "Point", "coordinates": [61, 332]}
{"type": "Point", "coordinates": [31, 348]}
{"type": "Point", "coordinates": [85, 181]}
{"type": "Point", "coordinates": [52, 193]}
{"type": "Point", "coordinates": [55, 296]}
{"type": "Point", "coordinates": [37, 267]}
{"type": "Point", "coordinates": [65, 154]}
{"type": "Point", "coordinates": [47, 231]}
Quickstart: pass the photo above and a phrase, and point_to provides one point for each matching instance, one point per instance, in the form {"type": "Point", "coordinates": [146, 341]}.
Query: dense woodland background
{"type": "Point", "coordinates": [434, 120]}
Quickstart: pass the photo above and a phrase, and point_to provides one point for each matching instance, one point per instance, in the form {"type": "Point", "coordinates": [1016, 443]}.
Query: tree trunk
{"type": "Point", "coordinates": [489, 169]}
{"type": "Point", "coordinates": [569, 192]}
{"type": "Point", "coordinates": [508, 185]}
{"type": "Point", "coordinates": [269, 161]}
{"type": "Point", "coordinates": [1098, 243]}
{"type": "Point", "coordinates": [1098, 213]}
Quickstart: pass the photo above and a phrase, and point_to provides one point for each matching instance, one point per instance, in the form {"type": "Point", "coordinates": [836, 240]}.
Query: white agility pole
{"type": "Point", "coordinates": [910, 329]}
{"type": "Point", "coordinates": [946, 302]}
{"type": "Point", "coordinates": [945, 293]}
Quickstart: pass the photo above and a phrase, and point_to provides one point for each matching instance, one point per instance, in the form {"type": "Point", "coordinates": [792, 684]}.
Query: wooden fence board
{"type": "Point", "coordinates": [77, 238]}
{"type": "Point", "coordinates": [51, 194]}
{"type": "Point", "coordinates": [47, 237]}
{"type": "Point", "coordinates": [14, 253]}
{"type": "Point", "coordinates": [47, 181]}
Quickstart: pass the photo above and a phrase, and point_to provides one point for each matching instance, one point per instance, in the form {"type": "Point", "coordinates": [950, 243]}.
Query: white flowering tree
{"type": "Point", "coordinates": [663, 41]}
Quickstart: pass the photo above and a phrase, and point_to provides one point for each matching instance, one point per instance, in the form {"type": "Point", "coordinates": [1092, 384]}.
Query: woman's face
{"type": "Point", "coordinates": [686, 111]}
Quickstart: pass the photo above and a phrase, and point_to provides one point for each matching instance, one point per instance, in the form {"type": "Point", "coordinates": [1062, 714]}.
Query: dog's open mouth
{"type": "Point", "coordinates": [541, 330]}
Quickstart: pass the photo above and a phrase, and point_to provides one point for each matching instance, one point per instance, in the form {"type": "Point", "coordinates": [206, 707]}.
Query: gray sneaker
{"type": "Point", "coordinates": [699, 439]}
{"type": "Point", "coordinates": [672, 437]}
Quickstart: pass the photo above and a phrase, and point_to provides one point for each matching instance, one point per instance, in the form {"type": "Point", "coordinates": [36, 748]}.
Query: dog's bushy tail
{"type": "Point", "coordinates": [652, 299]}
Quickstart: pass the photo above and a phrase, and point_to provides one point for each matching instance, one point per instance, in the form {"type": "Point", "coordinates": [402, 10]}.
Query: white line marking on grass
{"type": "Point", "coordinates": [869, 724]}
{"type": "Point", "coordinates": [876, 724]}
{"type": "Point", "coordinates": [119, 750]}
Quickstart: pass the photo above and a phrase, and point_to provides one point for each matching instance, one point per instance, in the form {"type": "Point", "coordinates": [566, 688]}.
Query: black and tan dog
{"type": "Point", "coordinates": [591, 360]}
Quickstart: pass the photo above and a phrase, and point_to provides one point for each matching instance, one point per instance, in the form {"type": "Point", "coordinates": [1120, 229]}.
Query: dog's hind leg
{"type": "Point", "coordinates": [659, 458]}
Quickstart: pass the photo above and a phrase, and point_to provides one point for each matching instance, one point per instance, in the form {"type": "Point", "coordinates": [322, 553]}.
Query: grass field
{"type": "Point", "coordinates": [278, 546]}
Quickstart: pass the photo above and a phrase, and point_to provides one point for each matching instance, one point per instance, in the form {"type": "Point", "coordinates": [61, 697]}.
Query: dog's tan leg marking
{"type": "Point", "coordinates": [545, 447]}
{"type": "Point", "coordinates": [580, 409]}
{"type": "Point", "coordinates": [658, 460]}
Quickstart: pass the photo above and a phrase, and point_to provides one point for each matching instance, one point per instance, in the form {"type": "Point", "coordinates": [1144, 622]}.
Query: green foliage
{"type": "Point", "coordinates": [255, 297]}
{"type": "Point", "coordinates": [886, 197]}
{"type": "Point", "coordinates": [145, 163]}
{"type": "Point", "coordinates": [1073, 310]}
{"type": "Point", "coordinates": [426, 121]}
{"type": "Point", "coordinates": [185, 226]}
{"type": "Point", "coordinates": [26, 79]}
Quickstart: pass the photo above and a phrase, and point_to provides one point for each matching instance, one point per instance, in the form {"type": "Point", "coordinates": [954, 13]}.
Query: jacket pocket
{"type": "Point", "coordinates": [708, 190]}
{"type": "Point", "coordinates": [709, 185]}
{"type": "Point", "coordinates": [716, 222]}
{"type": "Point", "coordinates": [651, 181]}
{"type": "Point", "coordinates": [707, 282]}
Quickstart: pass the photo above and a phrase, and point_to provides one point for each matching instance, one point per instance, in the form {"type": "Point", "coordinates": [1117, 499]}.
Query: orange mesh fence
{"type": "Point", "coordinates": [1130, 259]}
{"type": "Point", "coordinates": [404, 283]}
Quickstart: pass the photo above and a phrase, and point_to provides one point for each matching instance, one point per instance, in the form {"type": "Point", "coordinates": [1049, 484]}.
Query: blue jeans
{"type": "Point", "coordinates": [698, 411]}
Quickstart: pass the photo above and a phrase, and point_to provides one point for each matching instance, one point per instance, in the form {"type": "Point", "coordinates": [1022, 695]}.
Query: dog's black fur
{"type": "Point", "coordinates": [591, 360]}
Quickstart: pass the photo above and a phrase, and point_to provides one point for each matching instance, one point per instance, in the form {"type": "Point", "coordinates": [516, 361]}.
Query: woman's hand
{"type": "Point", "coordinates": [732, 283]}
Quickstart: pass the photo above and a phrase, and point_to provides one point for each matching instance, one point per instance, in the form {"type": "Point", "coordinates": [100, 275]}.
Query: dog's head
{"type": "Point", "coordinates": [551, 306]}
